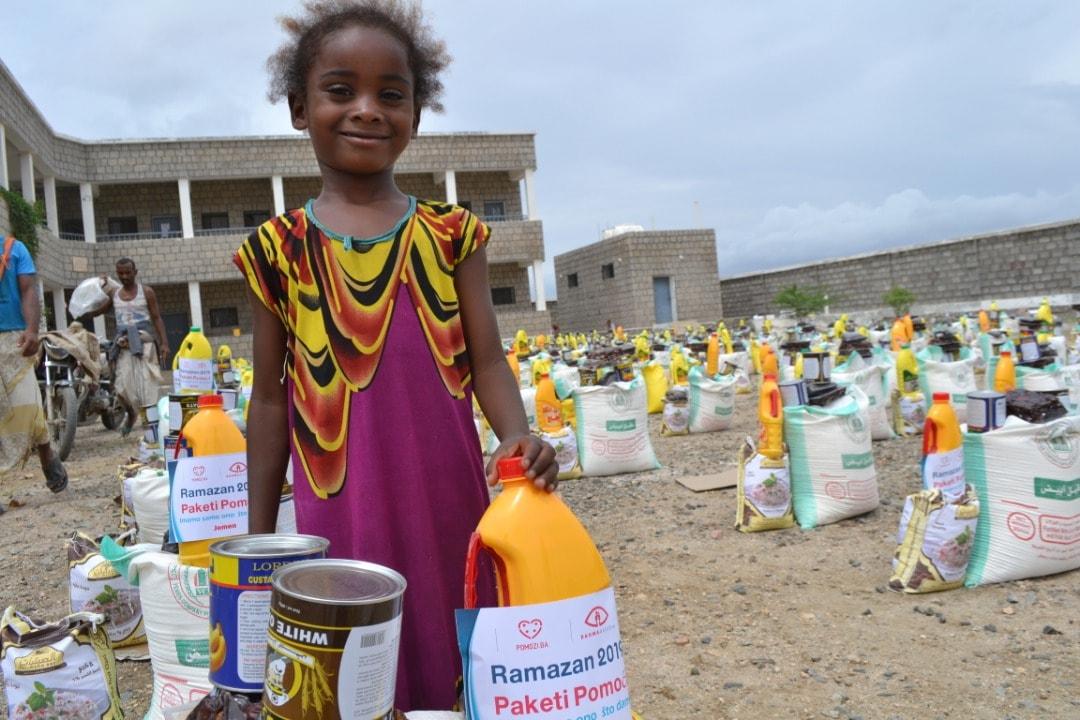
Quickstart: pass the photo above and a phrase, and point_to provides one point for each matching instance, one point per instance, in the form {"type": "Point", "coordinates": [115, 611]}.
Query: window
{"type": "Point", "coordinates": [165, 225]}
{"type": "Point", "coordinates": [255, 218]}
{"type": "Point", "coordinates": [571, 280]}
{"type": "Point", "coordinates": [71, 226]}
{"type": "Point", "coordinates": [224, 317]}
{"type": "Point", "coordinates": [215, 221]}
{"type": "Point", "coordinates": [607, 271]}
{"type": "Point", "coordinates": [502, 296]}
{"type": "Point", "coordinates": [122, 226]}
{"type": "Point", "coordinates": [494, 210]}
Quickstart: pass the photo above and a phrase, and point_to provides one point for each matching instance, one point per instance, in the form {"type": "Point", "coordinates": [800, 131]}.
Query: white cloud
{"type": "Point", "coordinates": [790, 235]}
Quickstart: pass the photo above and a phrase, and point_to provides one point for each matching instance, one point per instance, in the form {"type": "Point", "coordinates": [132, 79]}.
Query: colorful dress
{"type": "Point", "coordinates": [386, 458]}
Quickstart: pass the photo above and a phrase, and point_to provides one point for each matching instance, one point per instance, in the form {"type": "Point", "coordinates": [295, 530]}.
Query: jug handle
{"type": "Point", "coordinates": [929, 440]}
{"type": "Point", "coordinates": [470, 570]}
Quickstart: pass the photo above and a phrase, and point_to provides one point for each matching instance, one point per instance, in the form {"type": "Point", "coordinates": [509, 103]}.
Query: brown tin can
{"type": "Point", "coordinates": [332, 646]}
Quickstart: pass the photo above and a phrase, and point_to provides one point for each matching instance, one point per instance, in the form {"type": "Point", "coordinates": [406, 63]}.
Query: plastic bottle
{"type": "Point", "coordinates": [515, 366]}
{"type": "Point", "coordinates": [1044, 314]}
{"type": "Point", "coordinates": [680, 367]}
{"type": "Point", "coordinates": [770, 413]}
{"type": "Point", "coordinates": [898, 334]}
{"type": "Point", "coordinates": [1005, 373]}
{"type": "Point", "coordinates": [712, 355]}
{"type": "Point", "coordinates": [569, 416]}
{"type": "Point", "coordinates": [209, 432]}
{"type": "Point", "coordinates": [548, 407]}
{"type": "Point", "coordinates": [193, 364]}
{"type": "Point", "coordinates": [521, 344]}
{"type": "Point", "coordinates": [943, 453]}
{"type": "Point", "coordinates": [725, 336]}
{"type": "Point", "coordinates": [770, 365]}
{"type": "Point", "coordinates": [907, 372]}
{"type": "Point", "coordinates": [542, 552]}
{"type": "Point", "coordinates": [223, 374]}
{"type": "Point", "coordinates": [909, 326]}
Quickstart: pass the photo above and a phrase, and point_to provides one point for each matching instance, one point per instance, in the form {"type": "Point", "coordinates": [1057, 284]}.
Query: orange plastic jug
{"type": "Point", "coordinates": [548, 408]}
{"type": "Point", "coordinates": [1005, 373]}
{"type": "Point", "coordinates": [984, 321]}
{"type": "Point", "coordinates": [770, 411]}
{"type": "Point", "coordinates": [770, 365]}
{"type": "Point", "coordinates": [542, 553]}
{"type": "Point", "coordinates": [712, 355]}
{"type": "Point", "coordinates": [943, 454]}
{"type": "Point", "coordinates": [209, 432]}
{"type": "Point", "coordinates": [515, 366]}
{"type": "Point", "coordinates": [899, 335]}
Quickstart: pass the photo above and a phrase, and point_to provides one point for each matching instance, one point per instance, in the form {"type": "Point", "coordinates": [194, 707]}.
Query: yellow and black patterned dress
{"type": "Point", "coordinates": [386, 459]}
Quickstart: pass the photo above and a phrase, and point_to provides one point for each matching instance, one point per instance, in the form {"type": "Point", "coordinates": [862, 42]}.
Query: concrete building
{"type": "Point", "coordinates": [1017, 268]}
{"type": "Point", "coordinates": [639, 278]}
{"type": "Point", "coordinates": [180, 208]}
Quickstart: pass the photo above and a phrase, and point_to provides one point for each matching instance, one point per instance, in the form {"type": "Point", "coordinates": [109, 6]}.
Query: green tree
{"type": "Point", "coordinates": [899, 299]}
{"type": "Point", "coordinates": [25, 219]}
{"type": "Point", "coordinates": [802, 301]}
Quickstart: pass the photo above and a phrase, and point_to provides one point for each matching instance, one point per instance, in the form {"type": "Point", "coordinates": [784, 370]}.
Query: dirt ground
{"type": "Point", "coordinates": [715, 623]}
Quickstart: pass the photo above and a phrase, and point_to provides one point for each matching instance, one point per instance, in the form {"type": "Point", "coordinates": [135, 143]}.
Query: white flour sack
{"type": "Point", "coordinates": [613, 429]}
{"type": "Point", "coordinates": [956, 378]}
{"type": "Point", "coordinates": [150, 502]}
{"type": "Point", "coordinates": [728, 362]}
{"type": "Point", "coordinates": [712, 402]}
{"type": "Point", "coordinates": [528, 399]}
{"type": "Point", "coordinates": [95, 586]}
{"type": "Point", "coordinates": [871, 380]}
{"type": "Point", "coordinates": [1040, 379]}
{"type": "Point", "coordinates": [176, 612]}
{"type": "Point", "coordinates": [1027, 477]}
{"type": "Point", "coordinates": [832, 464]}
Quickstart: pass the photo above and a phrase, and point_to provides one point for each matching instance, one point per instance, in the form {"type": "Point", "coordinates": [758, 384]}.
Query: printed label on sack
{"type": "Point", "coordinates": [208, 497]}
{"type": "Point", "coordinates": [945, 470]}
{"type": "Point", "coordinates": [767, 488]}
{"type": "Point", "coordinates": [65, 680]}
{"type": "Point", "coordinates": [97, 587]}
{"type": "Point", "coordinates": [194, 374]}
{"type": "Point", "coordinates": [1057, 489]}
{"type": "Point", "coordinates": [550, 661]}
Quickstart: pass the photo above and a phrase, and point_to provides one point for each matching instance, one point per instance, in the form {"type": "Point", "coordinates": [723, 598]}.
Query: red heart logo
{"type": "Point", "coordinates": [596, 617]}
{"type": "Point", "coordinates": [530, 628]}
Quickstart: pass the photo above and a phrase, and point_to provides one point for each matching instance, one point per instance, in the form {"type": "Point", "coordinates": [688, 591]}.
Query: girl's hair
{"type": "Point", "coordinates": [401, 19]}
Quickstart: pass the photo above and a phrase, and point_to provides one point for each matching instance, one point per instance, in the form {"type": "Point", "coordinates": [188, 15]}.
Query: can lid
{"type": "Point", "coordinates": [210, 401]}
{"type": "Point", "coordinates": [942, 397]}
{"type": "Point", "coordinates": [339, 582]}
{"type": "Point", "coordinates": [510, 468]}
{"type": "Point", "coordinates": [269, 545]}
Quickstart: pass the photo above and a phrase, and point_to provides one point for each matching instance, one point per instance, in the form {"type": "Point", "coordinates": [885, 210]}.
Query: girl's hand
{"type": "Point", "coordinates": [537, 457]}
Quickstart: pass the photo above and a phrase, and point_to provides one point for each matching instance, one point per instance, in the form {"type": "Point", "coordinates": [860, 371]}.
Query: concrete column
{"type": "Point", "coordinates": [26, 173]}
{"type": "Point", "coordinates": [86, 197]}
{"type": "Point", "coordinates": [195, 301]}
{"type": "Point", "coordinates": [186, 223]}
{"type": "Point", "coordinates": [59, 307]}
{"type": "Point", "coordinates": [538, 285]}
{"type": "Point", "coordinates": [451, 187]}
{"type": "Point", "coordinates": [279, 194]}
{"type": "Point", "coordinates": [3, 158]}
{"type": "Point", "coordinates": [530, 198]}
{"type": "Point", "coordinates": [52, 216]}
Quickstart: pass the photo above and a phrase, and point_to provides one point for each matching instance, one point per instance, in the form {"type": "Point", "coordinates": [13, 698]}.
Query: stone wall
{"type": "Point", "coordinates": [502, 275]}
{"type": "Point", "coordinates": [688, 257]}
{"type": "Point", "coordinates": [1013, 267]}
{"type": "Point", "coordinates": [479, 188]}
{"type": "Point", "coordinates": [527, 319]}
{"type": "Point", "coordinates": [142, 201]}
{"type": "Point", "coordinates": [233, 197]}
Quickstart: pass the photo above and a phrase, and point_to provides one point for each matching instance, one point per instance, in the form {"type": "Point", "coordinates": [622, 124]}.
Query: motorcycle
{"type": "Point", "coordinates": [70, 395]}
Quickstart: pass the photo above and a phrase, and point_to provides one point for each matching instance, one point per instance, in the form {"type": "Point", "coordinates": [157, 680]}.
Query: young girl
{"type": "Point", "coordinates": [373, 327]}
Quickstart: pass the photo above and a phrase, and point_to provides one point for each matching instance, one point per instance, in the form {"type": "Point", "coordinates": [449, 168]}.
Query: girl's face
{"type": "Point", "coordinates": [358, 108]}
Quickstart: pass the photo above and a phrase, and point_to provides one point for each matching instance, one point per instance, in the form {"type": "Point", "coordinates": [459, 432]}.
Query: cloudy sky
{"type": "Point", "coordinates": [797, 130]}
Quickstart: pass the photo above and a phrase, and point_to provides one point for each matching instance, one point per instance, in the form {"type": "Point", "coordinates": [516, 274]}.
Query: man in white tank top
{"type": "Point", "coordinates": [137, 353]}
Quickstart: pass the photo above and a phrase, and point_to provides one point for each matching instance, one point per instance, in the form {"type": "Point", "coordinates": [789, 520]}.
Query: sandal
{"type": "Point", "coordinates": [56, 477]}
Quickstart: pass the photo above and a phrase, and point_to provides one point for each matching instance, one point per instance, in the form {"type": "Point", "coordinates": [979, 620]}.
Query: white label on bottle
{"type": "Point", "coordinates": [194, 374]}
{"type": "Point", "coordinates": [945, 470]}
{"type": "Point", "coordinates": [208, 497]}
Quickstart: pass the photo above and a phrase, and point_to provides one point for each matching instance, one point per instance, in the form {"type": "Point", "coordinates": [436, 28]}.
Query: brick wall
{"type": "Point", "coordinates": [527, 319]}
{"type": "Point", "coordinates": [513, 276]}
{"type": "Point", "coordinates": [1011, 266]}
{"type": "Point", "coordinates": [233, 197]}
{"type": "Point", "coordinates": [688, 257]}
{"type": "Point", "coordinates": [142, 201]}
{"type": "Point", "coordinates": [478, 188]}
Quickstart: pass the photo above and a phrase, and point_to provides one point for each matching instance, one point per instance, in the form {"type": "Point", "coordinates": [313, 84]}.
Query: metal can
{"type": "Point", "coordinates": [240, 574]}
{"type": "Point", "coordinates": [181, 409]}
{"type": "Point", "coordinates": [332, 649]}
{"type": "Point", "coordinates": [793, 392]}
{"type": "Point", "coordinates": [817, 366]}
{"type": "Point", "coordinates": [985, 411]}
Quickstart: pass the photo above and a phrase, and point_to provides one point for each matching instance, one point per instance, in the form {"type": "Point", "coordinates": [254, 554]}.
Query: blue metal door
{"type": "Point", "coordinates": [662, 299]}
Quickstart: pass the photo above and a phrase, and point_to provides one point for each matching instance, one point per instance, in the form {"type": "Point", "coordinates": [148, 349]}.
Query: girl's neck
{"type": "Point", "coordinates": [358, 190]}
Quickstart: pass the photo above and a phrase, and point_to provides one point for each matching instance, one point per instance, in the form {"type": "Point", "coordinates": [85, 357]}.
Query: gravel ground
{"type": "Point", "coordinates": [716, 623]}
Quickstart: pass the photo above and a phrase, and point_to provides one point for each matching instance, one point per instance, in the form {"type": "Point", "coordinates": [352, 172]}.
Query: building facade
{"type": "Point", "coordinates": [1016, 268]}
{"type": "Point", "coordinates": [180, 208]}
{"type": "Point", "coordinates": [639, 278]}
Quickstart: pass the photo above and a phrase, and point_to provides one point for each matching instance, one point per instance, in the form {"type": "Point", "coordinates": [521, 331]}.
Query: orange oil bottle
{"type": "Point", "coordinates": [770, 413]}
{"type": "Point", "coordinates": [943, 450]}
{"type": "Point", "coordinates": [1005, 373]}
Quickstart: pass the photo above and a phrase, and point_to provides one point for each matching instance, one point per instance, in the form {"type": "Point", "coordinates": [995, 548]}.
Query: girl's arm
{"type": "Point", "coordinates": [494, 384]}
{"type": "Point", "coordinates": [268, 420]}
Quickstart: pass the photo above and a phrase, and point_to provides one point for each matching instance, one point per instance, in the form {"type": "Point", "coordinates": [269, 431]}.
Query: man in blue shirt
{"type": "Point", "coordinates": [22, 420]}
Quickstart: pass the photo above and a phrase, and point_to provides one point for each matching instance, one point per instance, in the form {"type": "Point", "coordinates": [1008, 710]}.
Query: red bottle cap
{"type": "Point", "coordinates": [510, 468]}
{"type": "Point", "coordinates": [210, 400]}
{"type": "Point", "coordinates": [942, 397]}
{"type": "Point", "coordinates": [1006, 353]}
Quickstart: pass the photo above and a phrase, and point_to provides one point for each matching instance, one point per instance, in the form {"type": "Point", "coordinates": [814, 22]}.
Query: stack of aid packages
{"type": "Point", "coordinates": [1000, 498]}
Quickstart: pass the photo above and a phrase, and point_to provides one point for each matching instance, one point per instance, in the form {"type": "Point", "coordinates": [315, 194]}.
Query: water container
{"type": "Point", "coordinates": [943, 453]}
{"type": "Point", "coordinates": [907, 372]}
{"type": "Point", "coordinates": [680, 367]}
{"type": "Point", "coordinates": [770, 413]}
{"type": "Point", "coordinates": [515, 366]}
{"type": "Point", "coordinates": [984, 321]}
{"type": "Point", "coordinates": [210, 432]}
{"type": "Point", "coordinates": [712, 355]}
{"type": "Point", "coordinates": [769, 363]}
{"type": "Point", "coordinates": [193, 364]}
{"type": "Point", "coordinates": [541, 551]}
{"type": "Point", "coordinates": [1005, 373]}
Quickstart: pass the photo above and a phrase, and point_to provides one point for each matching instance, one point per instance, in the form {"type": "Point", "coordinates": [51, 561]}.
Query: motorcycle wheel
{"type": "Point", "coordinates": [114, 415]}
{"type": "Point", "coordinates": [65, 418]}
